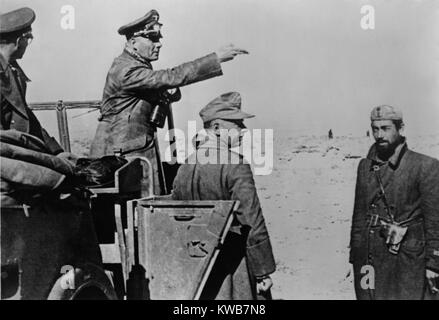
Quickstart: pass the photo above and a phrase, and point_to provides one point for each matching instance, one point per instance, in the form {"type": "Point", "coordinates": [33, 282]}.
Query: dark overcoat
{"type": "Point", "coordinates": [15, 113]}
{"type": "Point", "coordinates": [132, 90]}
{"type": "Point", "coordinates": [411, 184]}
{"type": "Point", "coordinates": [41, 232]}
{"type": "Point", "coordinates": [247, 252]}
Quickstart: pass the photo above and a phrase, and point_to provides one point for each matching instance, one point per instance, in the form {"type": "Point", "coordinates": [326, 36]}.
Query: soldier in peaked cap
{"type": "Point", "coordinates": [133, 90]}
{"type": "Point", "coordinates": [33, 172]}
{"type": "Point", "coordinates": [395, 225]}
{"type": "Point", "coordinates": [15, 36]}
{"type": "Point", "coordinates": [246, 261]}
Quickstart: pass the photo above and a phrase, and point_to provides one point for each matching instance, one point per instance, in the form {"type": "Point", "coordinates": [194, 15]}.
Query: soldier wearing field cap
{"type": "Point", "coordinates": [246, 261]}
{"type": "Point", "coordinates": [135, 95]}
{"type": "Point", "coordinates": [227, 107]}
{"type": "Point", "coordinates": [395, 226]}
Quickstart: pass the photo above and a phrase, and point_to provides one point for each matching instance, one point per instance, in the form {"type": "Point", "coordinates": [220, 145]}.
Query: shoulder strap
{"type": "Point", "coordinates": [382, 193]}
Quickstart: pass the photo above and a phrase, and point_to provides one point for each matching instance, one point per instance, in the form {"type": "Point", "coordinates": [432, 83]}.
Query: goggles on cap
{"type": "Point", "coordinates": [152, 33]}
{"type": "Point", "coordinates": [28, 36]}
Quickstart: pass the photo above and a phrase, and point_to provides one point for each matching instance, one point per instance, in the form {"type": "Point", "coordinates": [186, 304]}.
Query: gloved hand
{"type": "Point", "coordinates": [432, 280]}
{"type": "Point", "coordinates": [95, 172]}
{"type": "Point", "coordinates": [263, 284]}
{"type": "Point", "coordinates": [68, 156]}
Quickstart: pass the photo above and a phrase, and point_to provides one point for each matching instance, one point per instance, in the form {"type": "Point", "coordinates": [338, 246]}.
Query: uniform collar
{"type": "Point", "coordinates": [136, 56]}
{"type": "Point", "coordinates": [14, 64]}
{"type": "Point", "coordinates": [394, 160]}
{"type": "Point", "coordinates": [4, 64]}
{"type": "Point", "coordinates": [9, 86]}
{"type": "Point", "coordinates": [17, 67]}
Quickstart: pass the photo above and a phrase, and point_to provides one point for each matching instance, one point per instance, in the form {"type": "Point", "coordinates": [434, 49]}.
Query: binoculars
{"type": "Point", "coordinates": [160, 111]}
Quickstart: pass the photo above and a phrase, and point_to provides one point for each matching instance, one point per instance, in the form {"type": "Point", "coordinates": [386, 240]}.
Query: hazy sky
{"type": "Point", "coordinates": [311, 66]}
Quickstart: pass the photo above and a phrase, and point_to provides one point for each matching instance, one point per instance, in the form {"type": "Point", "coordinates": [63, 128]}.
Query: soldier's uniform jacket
{"type": "Point", "coordinates": [131, 92]}
{"type": "Point", "coordinates": [249, 237]}
{"type": "Point", "coordinates": [40, 232]}
{"type": "Point", "coordinates": [411, 184]}
{"type": "Point", "coordinates": [15, 114]}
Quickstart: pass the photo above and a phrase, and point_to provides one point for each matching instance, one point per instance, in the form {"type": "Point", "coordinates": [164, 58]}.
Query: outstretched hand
{"type": "Point", "coordinates": [229, 52]}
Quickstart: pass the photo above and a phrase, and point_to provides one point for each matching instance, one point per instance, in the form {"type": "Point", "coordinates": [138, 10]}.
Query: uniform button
{"type": "Point", "coordinates": [12, 121]}
{"type": "Point", "coordinates": [371, 231]}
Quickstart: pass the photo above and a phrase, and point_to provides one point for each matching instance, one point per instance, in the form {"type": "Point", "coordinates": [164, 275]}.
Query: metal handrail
{"type": "Point", "coordinates": [67, 104]}
{"type": "Point", "coordinates": [61, 114]}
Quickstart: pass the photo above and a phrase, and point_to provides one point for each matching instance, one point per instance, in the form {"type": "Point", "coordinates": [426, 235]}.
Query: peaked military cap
{"type": "Point", "coordinates": [16, 21]}
{"type": "Point", "coordinates": [385, 112]}
{"type": "Point", "coordinates": [145, 25]}
{"type": "Point", "coordinates": [227, 107]}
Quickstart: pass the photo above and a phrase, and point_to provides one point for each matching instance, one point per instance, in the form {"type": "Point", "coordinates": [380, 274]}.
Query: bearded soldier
{"type": "Point", "coordinates": [134, 92]}
{"type": "Point", "coordinates": [395, 225]}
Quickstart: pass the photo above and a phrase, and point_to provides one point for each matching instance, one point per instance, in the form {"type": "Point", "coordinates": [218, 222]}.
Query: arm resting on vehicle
{"type": "Point", "coordinates": [29, 176]}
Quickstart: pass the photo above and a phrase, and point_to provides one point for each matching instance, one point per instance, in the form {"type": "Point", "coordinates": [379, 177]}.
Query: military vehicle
{"type": "Point", "coordinates": [124, 243]}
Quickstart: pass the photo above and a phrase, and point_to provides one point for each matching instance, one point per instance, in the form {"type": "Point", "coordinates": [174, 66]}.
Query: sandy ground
{"type": "Point", "coordinates": [307, 202]}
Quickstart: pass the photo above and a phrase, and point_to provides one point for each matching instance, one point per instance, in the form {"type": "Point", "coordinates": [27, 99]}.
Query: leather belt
{"type": "Point", "coordinates": [375, 221]}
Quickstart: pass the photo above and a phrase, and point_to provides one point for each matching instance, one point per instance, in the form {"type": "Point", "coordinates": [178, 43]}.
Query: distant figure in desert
{"type": "Point", "coordinates": [395, 226]}
{"type": "Point", "coordinates": [330, 135]}
{"type": "Point", "coordinates": [368, 133]}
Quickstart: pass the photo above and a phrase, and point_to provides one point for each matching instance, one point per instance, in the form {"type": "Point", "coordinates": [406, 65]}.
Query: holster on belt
{"type": "Point", "coordinates": [393, 232]}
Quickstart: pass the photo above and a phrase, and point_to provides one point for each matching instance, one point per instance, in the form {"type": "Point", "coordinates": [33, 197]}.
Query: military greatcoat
{"type": "Point", "coordinates": [15, 114]}
{"type": "Point", "coordinates": [247, 252]}
{"type": "Point", "coordinates": [411, 185]}
{"type": "Point", "coordinates": [40, 233]}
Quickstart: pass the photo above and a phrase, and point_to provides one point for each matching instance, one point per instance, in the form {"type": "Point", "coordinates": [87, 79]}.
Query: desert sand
{"type": "Point", "coordinates": [307, 202]}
